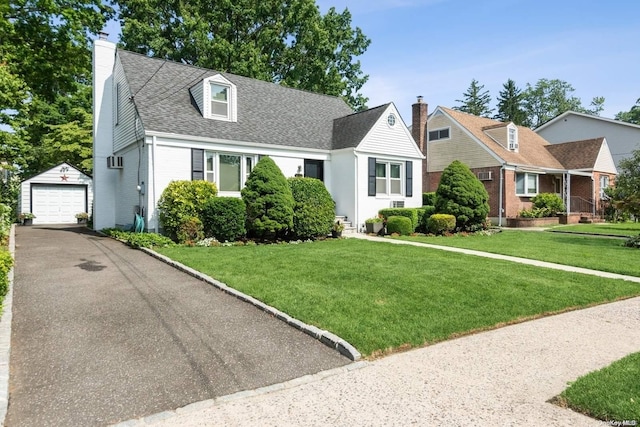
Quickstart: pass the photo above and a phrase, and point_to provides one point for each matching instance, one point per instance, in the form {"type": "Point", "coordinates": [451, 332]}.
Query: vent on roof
{"type": "Point", "coordinates": [397, 203]}
{"type": "Point", "coordinates": [115, 162]}
{"type": "Point", "coordinates": [485, 176]}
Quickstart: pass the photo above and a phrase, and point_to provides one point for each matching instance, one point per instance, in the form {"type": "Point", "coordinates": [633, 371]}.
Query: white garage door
{"type": "Point", "coordinates": [57, 204]}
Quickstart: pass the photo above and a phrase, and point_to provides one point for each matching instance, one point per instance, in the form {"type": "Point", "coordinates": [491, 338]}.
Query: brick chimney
{"type": "Point", "coordinates": [419, 112]}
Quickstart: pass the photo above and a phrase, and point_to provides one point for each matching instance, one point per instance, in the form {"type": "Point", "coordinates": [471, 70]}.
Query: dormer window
{"type": "Point", "coordinates": [219, 100]}
{"type": "Point", "coordinates": [216, 98]}
{"type": "Point", "coordinates": [512, 135]}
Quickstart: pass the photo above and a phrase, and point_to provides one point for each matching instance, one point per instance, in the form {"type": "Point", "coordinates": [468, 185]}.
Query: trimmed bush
{"type": "Point", "coordinates": [182, 200]}
{"type": "Point", "coordinates": [549, 203]}
{"type": "Point", "coordinates": [429, 199]}
{"type": "Point", "coordinates": [441, 223]}
{"type": "Point", "coordinates": [190, 231]}
{"type": "Point", "coordinates": [269, 201]}
{"type": "Point", "coordinates": [314, 209]}
{"type": "Point", "coordinates": [633, 242]}
{"type": "Point", "coordinates": [461, 194]}
{"type": "Point", "coordinates": [6, 262]}
{"type": "Point", "coordinates": [224, 218]}
{"type": "Point", "coordinates": [411, 213]}
{"type": "Point", "coordinates": [400, 225]}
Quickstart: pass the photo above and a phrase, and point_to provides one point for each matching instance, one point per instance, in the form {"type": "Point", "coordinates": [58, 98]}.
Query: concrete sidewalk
{"type": "Point", "coordinates": [500, 377]}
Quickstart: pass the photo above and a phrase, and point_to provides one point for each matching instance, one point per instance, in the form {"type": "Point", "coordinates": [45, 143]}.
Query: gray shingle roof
{"type": "Point", "coordinates": [350, 130]}
{"type": "Point", "coordinates": [267, 113]}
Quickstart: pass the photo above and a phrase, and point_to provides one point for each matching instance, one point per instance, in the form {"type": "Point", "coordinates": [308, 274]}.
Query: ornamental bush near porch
{"type": "Point", "coordinates": [182, 200]}
{"type": "Point", "coordinates": [314, 209]}
{"type": "Point", "coordinates": [224, 218]}
{"type": "Point", "coordinates": [400, 225]}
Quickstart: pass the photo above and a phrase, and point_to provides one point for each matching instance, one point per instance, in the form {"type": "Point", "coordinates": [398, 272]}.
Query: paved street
{"type": "Point", "coordinates": [104, 333]}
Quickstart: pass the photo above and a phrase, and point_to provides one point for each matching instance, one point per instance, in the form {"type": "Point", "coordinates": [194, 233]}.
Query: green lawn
{"type": "Point", "coordinates": [379, 296]}
{"type": "Point", "coordinates": [599, 253]}
{"type": "Point", "coordinates": [617, 229]}
{"type": "Point", "coordinates": [612, 393]}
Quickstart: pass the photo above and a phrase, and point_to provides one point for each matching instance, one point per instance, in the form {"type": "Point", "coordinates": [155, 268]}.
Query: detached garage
{"type": "Point", "coordinates": [57, 195]}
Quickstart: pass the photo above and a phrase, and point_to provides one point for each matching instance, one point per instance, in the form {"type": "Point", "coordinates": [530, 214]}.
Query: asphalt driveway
{"type": "Point", "coordinates": [103, 333]}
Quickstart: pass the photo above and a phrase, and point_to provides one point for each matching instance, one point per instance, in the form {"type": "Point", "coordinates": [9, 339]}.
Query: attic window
{"type": "Point", "coordinates": [512, 137]}
{"type": "Point", "coordinates": [391, 120]}
{"type": "Point", "coordinates": [437, 134]}
{"type": "Point", "coordinates": [219, 100]}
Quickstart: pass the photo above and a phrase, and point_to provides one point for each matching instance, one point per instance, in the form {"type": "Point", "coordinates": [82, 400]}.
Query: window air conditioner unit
{"type": "Point", "coordinates": [397, 203]}
{"type": "Point", "coordinates": [115, 162]}
{"type": "Point", "coordinates": [485, 176]}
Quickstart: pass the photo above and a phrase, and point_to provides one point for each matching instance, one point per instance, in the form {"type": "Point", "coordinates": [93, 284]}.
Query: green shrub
{"type": "Point", "coordinates": [269, 201]}
{"type": "Point", "coordinates": [6, 262]}
{"type": "Point", "coordinates": [147, 240]}
{"type": "Point", "coordinates": [182, 200]}
{"type": "Point", "coordinates": [6, 219]}
{"type": "Point", "coordinates": [400, 225]}
{"type": "Point", "coordinates": [549, 203]}
{"type": "Point", "coordinates": [441, 223]}
{"type": "Point", "coordinates": [423, 216]}
{"type": "Point", "coordinates": [224, 218]}
{"type": "Point", "coordinates": [411, 213]}
{"type": "Point", "coordinates": [429, 199]}
{"type": "Point", "coordinates": [314, 209]}
{"type": "Point", "coordinates": [462, 195]}
{"type": "Point", "coordinates": [190, 231]}
{"type": "Point", "coordinates": [633, 242]}
{"type": "Point", "coordinates": [533, 213]}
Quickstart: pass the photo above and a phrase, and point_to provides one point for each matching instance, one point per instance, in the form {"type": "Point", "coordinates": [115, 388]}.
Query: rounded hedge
{"type": "Point", "coordinates": [190, 231]}
{"type": "Point", "coordinates": [182, 200]}
{"type": "Point", "coordinates": [224, 218]}
{"type": "Point", "coordinates": [400, 225]}
{"type": "Point", "coordinates": [462, 195]}
{"type": "Point", "coordinates": [441, 223]}
{"type": "Point", "coordinates": [314, 209]}
{"type": "Point", "coordinates": [269, 201]}
{"type": "Point", "coordinates": [549, 203]}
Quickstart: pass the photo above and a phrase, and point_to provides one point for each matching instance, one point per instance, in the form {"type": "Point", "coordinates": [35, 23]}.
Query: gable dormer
{"type": "Point", "coordinates": [505, 134]}
{"type": "Point", "coordinates": [216, 98]}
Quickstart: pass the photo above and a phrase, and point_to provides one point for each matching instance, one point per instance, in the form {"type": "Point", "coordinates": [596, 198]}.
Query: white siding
{"type": "Point", "coordinates": [128, 129]}
{"type": "Point", "coordinates": [604, 162]}
{"type": "Point", "coordinates": [197, 92]}
{"type": "Point", "coordinates": [622, 138]}
{"type": "Point", "coordinates": [52, 179]}
{"type": "Point", "coordinates": [126, 192]}
{"type": "Point", "coordinates": [343, 184]}
{"type": "Point", "coordinates": [392, 140]}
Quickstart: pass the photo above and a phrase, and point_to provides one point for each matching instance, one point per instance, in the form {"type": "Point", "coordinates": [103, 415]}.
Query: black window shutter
{"type": "Point", "coordinates": [372, 176]}
{"type": "Point", "coordinates": [197, 164]}
{"type": "Point", "coordinates": [409, 178]}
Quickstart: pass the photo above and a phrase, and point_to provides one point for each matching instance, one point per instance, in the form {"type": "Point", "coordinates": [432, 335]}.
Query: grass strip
{"type": "Point", "coordinates": [379, 296]}
{"type": "Point", "coordinates": [610, 394]}
{"type": "Point", "coordinates": [618, 229]}
{"type": "Point", "coordinates": [598, 253]}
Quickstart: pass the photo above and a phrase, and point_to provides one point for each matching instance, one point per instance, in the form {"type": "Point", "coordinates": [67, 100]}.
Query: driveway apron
{"type": "Point", "coordinates": [103, 333]}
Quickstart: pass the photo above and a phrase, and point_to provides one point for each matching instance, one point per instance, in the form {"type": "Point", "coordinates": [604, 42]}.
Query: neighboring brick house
{"type": "Point", "coordinates": [513, 162]}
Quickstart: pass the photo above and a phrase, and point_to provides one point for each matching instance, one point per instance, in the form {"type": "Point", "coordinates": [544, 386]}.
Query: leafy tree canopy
{"type": "Point", "coordinates": [631, 116]}
{"type": "Point", "coordinates": [287, 42]}
{"type": "Point", "coordinates": [476, 101]}
{"type": "Point", "coordinates": [626, 193]}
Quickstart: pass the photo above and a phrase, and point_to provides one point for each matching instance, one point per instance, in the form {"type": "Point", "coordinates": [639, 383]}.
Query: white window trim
{"type": "Point", "coordinates": [603, 195]}
{"type": "Point", "coordinates": [438, 130]}
{"type": "Point", "coordinates": [388, 178]}
{"type": "Point", "coordinates": [513, 146]}
{"type": "Point", "coordinates": [216, 169]}
{"type": "Point", "coordinates": [526, 177]}
{"type": "Point", "coordinates": [232, 99]}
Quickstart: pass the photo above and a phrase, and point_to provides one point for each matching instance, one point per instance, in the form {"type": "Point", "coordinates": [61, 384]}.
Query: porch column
{"type": "Point", "coordinates": [567, 188]}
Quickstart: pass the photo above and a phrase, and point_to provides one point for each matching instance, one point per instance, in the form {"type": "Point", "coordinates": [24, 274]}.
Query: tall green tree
{"type": "Point", "coordinates": [285, 41]}
{"type": "Point", "coordinates": [631, 116]}
{"type": "Point", "coordinates": [475, 101]}
{"type": "Point", "coordinates": [510, 104]}
{"type": "Point", "coordinates": [626, 193]}
{"type": "Point", "coordinates": [550, 98]}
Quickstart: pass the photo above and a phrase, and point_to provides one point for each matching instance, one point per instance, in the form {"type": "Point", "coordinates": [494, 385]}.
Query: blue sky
{"type": "Point", "coordinates": [434, 48]}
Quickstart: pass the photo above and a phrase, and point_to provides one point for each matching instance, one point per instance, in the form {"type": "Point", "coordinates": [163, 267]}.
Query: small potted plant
{"type": "Point", "coordinates": [374, 225]}
{"type": "Point", "coordinates": [82, 217]}
{"type": "Point", "coordinates": [336, 230]}
{"type": "Point", "coordinates": [26, 218]}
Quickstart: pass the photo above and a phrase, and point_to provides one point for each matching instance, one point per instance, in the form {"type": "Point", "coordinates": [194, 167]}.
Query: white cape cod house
{"type": "Point", "coordinates": [156, 121]}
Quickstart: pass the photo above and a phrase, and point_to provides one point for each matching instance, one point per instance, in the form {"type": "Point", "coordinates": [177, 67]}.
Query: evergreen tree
{"type": "Point", "coordinates": [462, 195]}
{"type": "Point", "coordinates": [510, 104]}
{"type": "Point", "coordinates": [476, 101]}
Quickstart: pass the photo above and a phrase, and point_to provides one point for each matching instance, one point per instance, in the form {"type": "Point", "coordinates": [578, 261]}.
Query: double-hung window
{"type": "Point", "coordinates": [604, 184]}
{"type": "Point", "coordinates": [219, 100]}
{"type": "Point", "coordinates": [227, 170]}
{"type": "Point", "coordinates": [526, 184]}
{"type": "Point", "coordinates": [388, 178]}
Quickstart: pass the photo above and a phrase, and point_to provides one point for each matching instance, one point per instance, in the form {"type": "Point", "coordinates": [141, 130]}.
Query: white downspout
{"type": "Point", "coordinates": [593, 191]}
{"type": "Point", "coordinates": [568, 187]}
{"type": "Point", "coordinates": [153, 185]}
{"type": "Point", "coordinates": [501, 197]}
{"type": "Point", "coordinates": [356, 193]}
